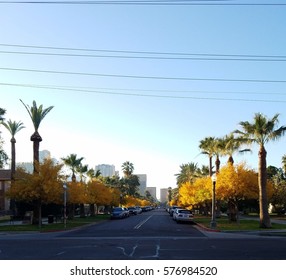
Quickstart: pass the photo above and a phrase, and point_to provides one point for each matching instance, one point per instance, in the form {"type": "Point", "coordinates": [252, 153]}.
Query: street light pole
{"type": "Point", "coordinates": [65, 205]}
{"type": "Point", "coordinates": [213, 221]}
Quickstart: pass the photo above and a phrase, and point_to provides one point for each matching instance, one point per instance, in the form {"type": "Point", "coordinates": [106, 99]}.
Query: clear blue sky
{"type": "Point", "coordinates": [109, 119]}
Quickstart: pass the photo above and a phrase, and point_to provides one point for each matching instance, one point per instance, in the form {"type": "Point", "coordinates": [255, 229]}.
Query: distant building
{"type": "Point", "coordinates": [164, 195]}
{"type": "Point", "coordinates": [143, 183]}
{"type": "Point", "coordinates": [106, 170]}
{"type": "Point", "coordinates": [5, 180]}
{"type": "Point", "coordinates": [29, 167]}
{"type": "Point", "coordinates": [152, 191]}
{"type": "Point", "coordinates": [45, 154]}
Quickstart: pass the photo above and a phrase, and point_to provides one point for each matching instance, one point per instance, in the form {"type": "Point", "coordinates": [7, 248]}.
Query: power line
{"type": "Point", "coordinates": [143, 77]}
{"type": "Point", "coordinates": [146, 2]}
{"type": "Point", "coordinates": [153, 53]}
{"type": "Point", "coordinates": [61, 88]}
{"type": "Point", "coordinates": [148, 90]}
{"type": "Point", "coordinates": [223, 58]}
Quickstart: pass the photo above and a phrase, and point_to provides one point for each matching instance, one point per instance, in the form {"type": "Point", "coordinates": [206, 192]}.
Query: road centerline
{"type": "Point", "coordinates": [142, 222]}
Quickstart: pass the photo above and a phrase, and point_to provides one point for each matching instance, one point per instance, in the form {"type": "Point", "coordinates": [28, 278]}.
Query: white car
{"type": "Point", "coordinates": [183, 215]}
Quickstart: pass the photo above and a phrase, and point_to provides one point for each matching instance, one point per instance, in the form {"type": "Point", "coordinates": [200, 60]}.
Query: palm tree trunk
{"type": "Point", "coordinates": [210, 166]}
{"type": "Point", "coordinates": [217, 164]}
{"type": "Point", "coordinates": [262, 183]}
{"type": "Point", "coordinates": [36, 138]}
{"type": "Point", "coordinates": [13, 159]}
{"type": "Point", "coordinates": [13, 170]}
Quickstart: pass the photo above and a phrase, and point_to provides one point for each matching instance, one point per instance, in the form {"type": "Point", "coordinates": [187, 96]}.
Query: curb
{"type": "Point", "coordinates": [206, 228]}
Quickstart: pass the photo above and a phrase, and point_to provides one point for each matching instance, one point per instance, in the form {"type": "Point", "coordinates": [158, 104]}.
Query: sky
{"type": "Point", "coordinates": [142, 83]}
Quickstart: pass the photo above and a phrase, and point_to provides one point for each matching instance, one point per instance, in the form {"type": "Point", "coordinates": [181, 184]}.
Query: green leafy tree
{"type": "Point", "coordinates": [261, 131]}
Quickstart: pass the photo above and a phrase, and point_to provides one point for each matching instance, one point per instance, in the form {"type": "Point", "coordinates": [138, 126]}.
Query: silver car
{"type": "Point", "coordinates": [183, 215]}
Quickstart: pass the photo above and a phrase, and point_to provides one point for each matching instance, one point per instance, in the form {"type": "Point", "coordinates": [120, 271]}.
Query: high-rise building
{"type": "Point", "coordinates": [29, 167]}
{"type": "Point", "coordinates": [106, 170]}
{"type": "Point", "coordinates": [45, 154]}
{"type": "Point", "coordinates": [143, 183]}
{"type": "Point", "coordinates": [164, 195]}
{"type": "Point", "coordinates": [152, 191]}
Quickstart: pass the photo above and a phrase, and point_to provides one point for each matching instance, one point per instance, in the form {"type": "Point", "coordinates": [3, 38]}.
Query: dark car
{"type": "Point", "coordinates": [118, 213]}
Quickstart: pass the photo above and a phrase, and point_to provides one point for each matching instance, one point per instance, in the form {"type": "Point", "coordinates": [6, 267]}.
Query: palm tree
{"type": "Point", "coordinates": [2, 113]}
{"type": "Point", "coordinates": [37, 114]}
{"type": "Point", "coordinates": [81, 170]}
{"type": "Point", "coordinates": [127, 168]}
{"type": "Point", "coordinates": [208, 147]}
{"type": "Point", "coordinates": [13, 128]}
{"type": "Point", "coordinates": [284, 163]}
{"type": "Point", "coordinates": [232, 145]}
{"type": "Point", "coordinates": [188, 173]}
{"type": "Point", "coordinates": [3, 155]}
{"type": "Point", "coordinates": [260, 132]}
{"type": "Point", "coordinates": [73, 162]}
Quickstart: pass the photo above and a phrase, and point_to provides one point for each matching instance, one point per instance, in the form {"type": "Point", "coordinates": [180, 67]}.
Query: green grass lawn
{"type": "Point", "coordinates": [76, 222]}
{"type": "Point", "coordinates": [243, 225]}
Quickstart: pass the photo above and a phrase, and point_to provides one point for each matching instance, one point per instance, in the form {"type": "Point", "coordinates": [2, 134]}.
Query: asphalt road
{"type": "Point", "coordinates": [149, 236]}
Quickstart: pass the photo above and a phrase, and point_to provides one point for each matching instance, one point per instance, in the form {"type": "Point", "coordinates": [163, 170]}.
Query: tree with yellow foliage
{"type": "Point", "coordinates": [234, 183]}
{"type": "Point", "coordinates": [42, 187]}
{"type": "Point", "coordinates": [197, 194]}
{"type": "Point", "coordinates": [98, 194]}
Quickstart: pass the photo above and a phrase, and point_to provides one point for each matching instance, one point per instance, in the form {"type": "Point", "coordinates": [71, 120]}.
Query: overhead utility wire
{"type": "Point", "coordinates": [142, 77]}
{"type": "Point", "coordinates": [208, 58]}
{"type": "Point", "coordinates": [148, 90]}
{"type": "Point", "coordinates": [149, 95]}
{"type": "Point", "coordinates": [145, 52]}
{"type": "Point", "coordinates": [144, 2]}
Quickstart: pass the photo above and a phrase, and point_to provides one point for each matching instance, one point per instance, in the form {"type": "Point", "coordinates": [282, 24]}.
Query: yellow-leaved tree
{"type": "Point", "coordinates": [98, 194]}
{"type": "Point", "coordinates": [196, 194]}
{"type": "Point", "coordinates": [42, 187]}
{"type": "Point", "coordinates": [237, 182]}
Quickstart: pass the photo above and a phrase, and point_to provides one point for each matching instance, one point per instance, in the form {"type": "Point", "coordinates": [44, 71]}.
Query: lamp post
{"type": "Point", "coordinates": [213, 221]}
{"type": "Point", "coordinates": [65, 205]}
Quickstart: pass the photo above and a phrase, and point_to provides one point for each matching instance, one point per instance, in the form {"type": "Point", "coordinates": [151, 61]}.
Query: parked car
{"type": "Point", "coordinates": [172, 209]}
{"type": "Point", "coordinates": [183, 215]}
{"type": "Point", "coordinates": [132, 210]}
{"type": "Point", "coordinates": [139, 209]}
{"type": "Point", "coordinates": [127, 213]}
{"type": "Point", "coordinates": [118, 213]}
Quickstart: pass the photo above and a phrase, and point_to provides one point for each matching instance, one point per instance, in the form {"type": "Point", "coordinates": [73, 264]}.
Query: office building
{"type": "Point", "coordinates": [143, 183]}
{"type": "Point", "coordinates": [106, 170]}
{"type": "Point", "coordinates": [152, 191]}
{"type": "Point", "coordinates": [164, 195]}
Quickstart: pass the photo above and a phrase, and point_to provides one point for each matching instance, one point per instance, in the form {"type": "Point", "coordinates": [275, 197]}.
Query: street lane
{"type": "Point", "coordinates": [156, 223]}
{"type": "Point", "coordinates": [149, 236]}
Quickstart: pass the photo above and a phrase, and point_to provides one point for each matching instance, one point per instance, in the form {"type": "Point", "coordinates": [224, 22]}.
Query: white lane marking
{"type": "Point", "coordinates": [128, 255]}
{"type": "Point", "coordinates": [142, 223]}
